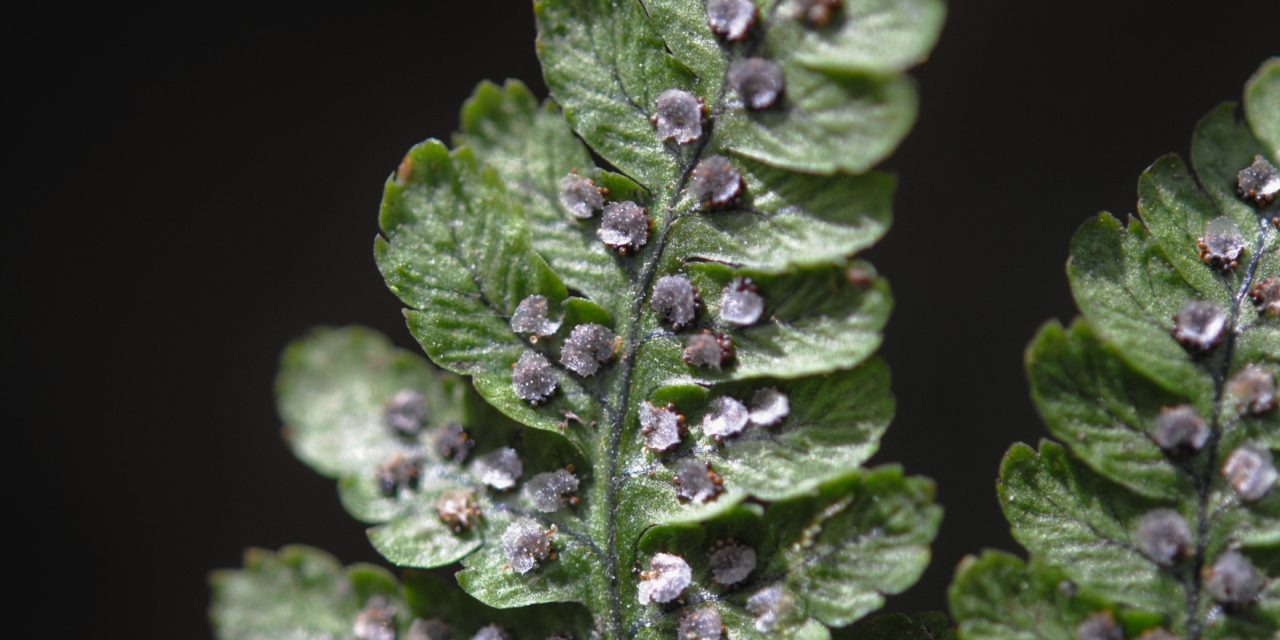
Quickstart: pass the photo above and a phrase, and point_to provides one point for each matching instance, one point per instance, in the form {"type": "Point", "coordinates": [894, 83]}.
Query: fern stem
{"type": "Point", "coordinates": [1204, 479]}
{"type": "Point", "coordinates": [627, 364]}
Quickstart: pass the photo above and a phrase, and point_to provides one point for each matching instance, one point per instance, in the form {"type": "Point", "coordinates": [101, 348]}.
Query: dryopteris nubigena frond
{"type": "Point", "coordinates": [1156, 517]}
{"type": "Point", "coordinates": [670, 357]}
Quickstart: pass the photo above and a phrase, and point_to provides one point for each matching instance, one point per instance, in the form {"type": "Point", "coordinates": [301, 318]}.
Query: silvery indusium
{"type": "Point", "coordinates": [659, 382]}
{"type": "Point", "coordinates": [1158, 515]}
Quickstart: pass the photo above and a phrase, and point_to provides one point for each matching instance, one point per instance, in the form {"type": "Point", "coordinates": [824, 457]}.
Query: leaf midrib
{"type": "Point", "coordinates": [1204, 478]}
{"type": "Point", "coordinates": [627, 364]}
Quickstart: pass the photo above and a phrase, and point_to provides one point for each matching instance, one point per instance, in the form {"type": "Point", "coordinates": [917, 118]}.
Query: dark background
{"type": "Point", "coordinates": [188, 191]}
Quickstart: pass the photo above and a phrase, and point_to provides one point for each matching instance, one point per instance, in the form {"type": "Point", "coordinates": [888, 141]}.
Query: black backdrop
{"type": "Point", "coordinates": [185, 192]}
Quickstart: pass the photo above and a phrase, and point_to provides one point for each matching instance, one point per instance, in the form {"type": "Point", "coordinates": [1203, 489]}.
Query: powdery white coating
{"type": "Point", "coordinates": [701, 624]}
{"type": "Point", "coordinates": [1251, 472]}
{"type": "Point", "coordinates": [1199, 325]}
{"type": "Point", "coordinates": [769, 407]}
{"type": "Point", "coordinates": [1099, 626]}
{"type": "Point", "coordinates": [659, 426]}
{"type": "Point", "coordinates": [492, 632]}
{"type": "Point", "coordinates": [1221, 244]}
{"type": "Point", "coordinates": [458, 509]}
{"type": "Point", "coordinates": [678, 116]}
{"type": "Point", "coordinates": [377, 621]}
{"type": "Point", "coordinates": [715, 182]}
{"type": "Point", "coordinates": [1266, 296]}
{"type": "Point", "coordinates": [406, 413]}
{"type": "Point", "coordinates": [675, 300]}
{"type": "Point", "coordinates": [727, 417]}
{"type": "Point", "coordinates": [533, 377]}
{"type": "Point", "coordinates": [531, 317]}
{"type": "Point", "coordinates": [580, 196]}
{"type": "Point", "coordinates": [666, 579]}
{"type": "Point", "coordinates": [1164, 536]}
{"type": "Point", "coordinates": [549, 492]}
{"type": "Point", "coordinates": [499, 469]}
{"type": "Point", "coordinates": [1180, 430]}
{"type": "Point", "coordinates": [707, 349]}
{"type": "Point", "coordinates": [1232, 580]}
{"type": "Point", "coordinates": [1253, 389]}
{"type": "Point", "coordinates": [758, 81]}
{"type": "Point", "coordinates": [526, 545]}
{"type": "Point", "coordinates": [816, 12]}
{"type": "Point", "coordinates": [731, 563]}
{"type": "Point", "coordinates": [731, 19]}
{"type": "Point", "coordinates": [695, 481]}
{"type": "Point", "coordinates": [768, 605]}
{"type": "Point", "coordinates": [588, 347]}
{"type": "Point", "coordinates": [1259, 183]}
{"type": "Point", "coordinates": [741, 303]}
{"type": "Point", "coordinates": [396, 473]}
{"type": "Point", "coordinates": [430, 629]}
{"type": "Point", "coordinates": [625, 227]}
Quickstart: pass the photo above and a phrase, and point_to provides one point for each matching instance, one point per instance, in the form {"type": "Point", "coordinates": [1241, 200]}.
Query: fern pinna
{"type": "Point", "coordinates": [668, 343]}
{"type": "Point", "coordinates": [1157, 516]}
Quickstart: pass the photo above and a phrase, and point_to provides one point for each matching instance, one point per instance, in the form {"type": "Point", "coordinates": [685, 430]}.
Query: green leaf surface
{"type": "Point", "coordinates": [487, 576]}
{"type": "Point", "coordinates": [298, 593]}
{"type": "Point", "coordinates": [835, 551]}
{"type": "Point", "coordinates": [998, 597]}
{"type": "Point", "coordinates": [814, 321]}
{"type": "Point", "coordinates": [1130, 295]}
{"type": "Point", "coordinates": [1102, 410]}
{"type": "Point", "coordinates": [457, 250]}
{"type": "Point", "coordinates": [605, 63]}
{"type": "Point", "coordinates": [531, 148]}
{"type": "Point", "coordinates": [835, 425]}
{"type": "Point", "coordinates": [856, 541]}
{"type": "Point", "coordinates": [831, 122]}
{"type": "Point", "coordinates": [302, 593]}
{"type": "Point", "coordinates": [1101, 385]}
{"type": "Point", "coordinates": [470, 233]}
{"type": "Point", "coordinates": [433, 597]}
{"type": "Point", "coordinates": [870, 36]}
{"type": "Point", "coordinates": [788, 220]}
{"type": "Point", "coordinates": [333, 390]}
{"type": "Point", "coordinates": [1062, 512]}
{"type": "Point", "coordinates": [1262, 103]}
{"type": "Point", "coordinates": [846, 105]}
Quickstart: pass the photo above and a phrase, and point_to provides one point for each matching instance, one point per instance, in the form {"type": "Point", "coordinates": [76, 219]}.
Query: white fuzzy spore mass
{"type": "Point", "coordinates": [580, 196]}
{"type": "Point", "coordinates": [500, 469]}
{"type": "Point", "coordinates": [549, 492]}
{"type": "Point", "coordinates": [727, 417]}
{"type": "Point", "coordinates": [759, 82]}
{"type": "Point", "coordinates": [659, 427]}
{"type": "Point", "coordinates": [526, 545]}
{"type": "Point", "coordinates": [741, 303]}
{"type": "Point", "coordinates": [668, 576]}
{"type": "Point", "coordinates": [588, 347]}
{"type": "Point", "coordinates": [532, 317]}
{"type": "Point", "coordinates": [769, 407]}
{"type": "Point", "coordinates": [678, 116]}
{"type": "Point", "coordinates": [675, 300]}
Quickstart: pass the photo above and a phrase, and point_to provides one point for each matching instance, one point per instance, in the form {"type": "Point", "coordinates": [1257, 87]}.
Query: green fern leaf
{"type": "Point", "coordinates": [1160, 502]}
{"type": "Point", "coordinates": [301, 593]}
{"type": "Point", "coordinates": [669, 350]}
